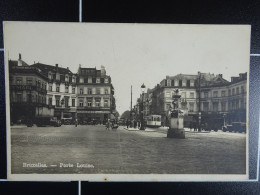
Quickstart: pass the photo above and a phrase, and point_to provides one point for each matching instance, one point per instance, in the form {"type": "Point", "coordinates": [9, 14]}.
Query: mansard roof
{"type": "Point", "coordinates": [47, 68]}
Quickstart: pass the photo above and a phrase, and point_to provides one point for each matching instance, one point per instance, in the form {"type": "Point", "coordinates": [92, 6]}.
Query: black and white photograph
{"type": "Point", "coordinates": [126, 102]}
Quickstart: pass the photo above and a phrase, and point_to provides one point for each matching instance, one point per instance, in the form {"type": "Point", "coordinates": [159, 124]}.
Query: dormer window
{"type": "Point", "coordinates": [73, 79]}
{"type": "Point", "coordinates": [57, 76]}
{"type": "Point", "coordinates": [106, 80]}
{"type": "Point", "coordinates": [66, 78]}
{"type": "Point", "coordinates": [50, 75]}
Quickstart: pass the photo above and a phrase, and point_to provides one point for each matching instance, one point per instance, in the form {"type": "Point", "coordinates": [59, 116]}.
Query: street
{"type": "Point", "coordinates": [93, 149]}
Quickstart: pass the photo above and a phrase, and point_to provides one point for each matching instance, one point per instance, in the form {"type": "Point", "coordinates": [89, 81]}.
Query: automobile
{"type": "Point", "coordinates": [236, 126]}
{"type": "Point", "coordinates": [55, 122]}
{"type": "Point", "coordinates": [66, 121]}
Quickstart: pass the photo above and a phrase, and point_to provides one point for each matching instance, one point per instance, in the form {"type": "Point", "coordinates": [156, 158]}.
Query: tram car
{"type": "Point", "coordinates": [153, 121]}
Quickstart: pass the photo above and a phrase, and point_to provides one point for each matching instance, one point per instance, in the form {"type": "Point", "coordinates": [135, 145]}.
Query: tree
{"type": "Point", "coordinates": [125, 115]}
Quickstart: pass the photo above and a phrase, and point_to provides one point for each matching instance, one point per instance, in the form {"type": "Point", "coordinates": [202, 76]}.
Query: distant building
{"type": "Point", "coordinates": [28, 92]}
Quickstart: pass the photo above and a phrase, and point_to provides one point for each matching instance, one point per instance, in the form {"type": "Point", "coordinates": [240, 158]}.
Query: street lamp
{"type": "Point", "coordinates": [199, 111]}
{"type": "Point", "coordinates": [142, 107]}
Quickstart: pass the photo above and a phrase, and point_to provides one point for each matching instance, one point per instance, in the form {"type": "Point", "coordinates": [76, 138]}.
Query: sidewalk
{"type": "Point", "coordinates": [136, 129]}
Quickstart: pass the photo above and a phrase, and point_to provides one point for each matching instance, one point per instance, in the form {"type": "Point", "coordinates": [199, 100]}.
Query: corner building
{"type": "Point", "coordinates": [95, 95]}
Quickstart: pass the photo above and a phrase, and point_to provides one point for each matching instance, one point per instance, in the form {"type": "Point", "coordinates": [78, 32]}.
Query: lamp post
{"type": "Point", "coordinates": [142, 107]}
{"type": "Point", "coordinates": [199, 111]}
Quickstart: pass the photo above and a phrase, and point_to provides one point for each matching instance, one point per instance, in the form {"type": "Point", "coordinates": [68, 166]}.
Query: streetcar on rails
{"type": "Point", "coordinates": [153, 121]}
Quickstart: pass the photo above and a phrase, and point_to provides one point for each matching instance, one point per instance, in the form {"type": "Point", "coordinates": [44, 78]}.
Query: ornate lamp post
{"type": "Point", "coordinates": [142, 107]}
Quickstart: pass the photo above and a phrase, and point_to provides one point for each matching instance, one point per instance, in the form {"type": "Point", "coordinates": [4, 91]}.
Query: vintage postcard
{"type": "Point", "coordinates": [127, 102]}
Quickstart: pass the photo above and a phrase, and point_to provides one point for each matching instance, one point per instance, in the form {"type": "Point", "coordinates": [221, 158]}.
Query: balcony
{"type": "Point", "coordinates": [93, 108]}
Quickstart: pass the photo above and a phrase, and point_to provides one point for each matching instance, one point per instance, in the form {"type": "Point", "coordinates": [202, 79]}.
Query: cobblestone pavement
{"type": "Point", "coordinates": [97, 150]}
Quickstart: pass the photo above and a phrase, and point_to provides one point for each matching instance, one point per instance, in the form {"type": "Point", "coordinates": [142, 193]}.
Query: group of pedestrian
{"type": "Point", "coordinates": [193, 125]}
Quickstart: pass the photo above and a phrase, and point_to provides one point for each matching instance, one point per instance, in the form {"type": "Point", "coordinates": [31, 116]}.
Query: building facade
{"type": "Point", "coordinates": [61, 90]}
{"type": "Point", "coordinates": [28, 92]}
{"type": "Point", "coordinates": [218, 100]}
{"type": "Point", "coordinates": [87, 95]}
{"type": "Point", "coordinates": [95, 94]}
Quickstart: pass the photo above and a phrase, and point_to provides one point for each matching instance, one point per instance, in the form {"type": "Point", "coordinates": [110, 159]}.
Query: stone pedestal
{"type": "Point", "coordinates": [176, 129]}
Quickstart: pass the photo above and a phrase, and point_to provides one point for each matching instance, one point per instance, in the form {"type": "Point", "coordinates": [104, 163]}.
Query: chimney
{"type": "Point", "coordinates": [20, 63]}
{"type": "Point", "coordinates": [220, 75]}
{"type": "Point", "coordinates": [20, 56]}
{"type": "Point", "coordinates": [57, 65]}
{"type": "Point", "coordinates": [67, 68]}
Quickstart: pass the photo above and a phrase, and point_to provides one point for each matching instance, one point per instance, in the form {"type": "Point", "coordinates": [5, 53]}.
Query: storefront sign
{"type": "Point", "coordinates": [93, 112]}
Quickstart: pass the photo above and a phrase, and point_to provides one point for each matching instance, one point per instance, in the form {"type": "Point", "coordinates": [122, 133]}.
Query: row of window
{"type": "Point", "coordinates": [180, 83]}
{"type": "Point", "coordinates": [29, 81]}
{"type": "Point", "coordinates": [233, 91]}
{"type": "Point", "coordinates": [65, 102]}
{"type": "Point", "coordinates": [30, 98]}
{"type": "Point", "coordinates": [90, 91]}
{"type": "Point", "coordinates": [232, 105]}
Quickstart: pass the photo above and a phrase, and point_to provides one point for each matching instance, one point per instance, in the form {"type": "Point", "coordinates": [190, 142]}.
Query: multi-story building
{"type": "Point", "coordinates": [207, 93]}
{"type": "Point", "coordinates": [95, 95]}
{"type": "Point", "coordinates": [28, 92]}
{"type": "Point", "coordinates": [61, 90]}
{"type": "Point", "coordinates": [87, 95]}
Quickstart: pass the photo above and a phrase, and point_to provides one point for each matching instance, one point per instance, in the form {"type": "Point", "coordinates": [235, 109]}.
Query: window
{"type": "Point", "coordinates": [89, 91]}
{"type": "Point", "coordinates": [168, 82]}
{"type": "Point", "coordinates": [50, 101]}
{"type": "Point", "coordinates": [81, 80]}
{"type": "Point", "coordinates": [180, 83]}
{"type": "Point", "coordinates": [57, 76]}
{"type": "Point", "coordinates": [73, 90]}
{"type": "Point", "coordinates": [223, 106]}
{"type": "Point", "coordinates": [93, 80]}
{"type": "Point", "coordinates": [50, 87]}
{"type": "Point", "coordinates": [242, 103]}
{"type": "Point", "coordinates": [191, 94]}
{"type": "Point", "coordinates": [215, 106]}
{"type": "Point", "coordinates": [80, 103]}
{"type": "Point", "coordinates": [205, 106]}
{"type": "Point", "coordinates": [29, 97]}
{"type": "Point", "coordinates": [36, 98]}
{"type": "Point", "coordinates": [57, 88]}
{"type": "Point", "coordinates": [97, 102]}
{"type": "Point", "coordinates": [98, 80]}
{"type": "Point", "coordinates": [102, 80]}
{"type": "Point", "coordinates": [86, 80]}
{"type": "Point", "coordinates": [89, 102]}
{"type": "Point", "coordinates": [50, 75]}
{"type": "Point", "coordinates": [80, 91]}
{"type": "Point", "coordinates": [237, 90]}
{"type": "Point", "coordinates": [19, 80]}
{"type": "Point", "coordinates": [191, 105]}
{"type": "Point", "coordinates": [66, 102]}
{"type": "Point", "coordinates": [229, 92]}
{"type": "Point", "coordinates": [172, 83]}
{"type": "Point", "coordinates": [242, 89]}
{"type": "Point", "coordinates": [98, 91]}
{"type": "Point", "coordinates": [73, 79]}
{"type": "Point", "coordinates": [73, 102]}
{"type": "Point", "coordinates": [223, 93]}
{"type": "Point", "coordinates": [106, 80]}
{"type": "Point", "coordinates": [66, 89]}
{"type": "Point", "coordinates": [57, 102]}
{"type": "Point", "coordinates": [233, 91]}
{"type": "Point", "coordinates": [188, 83]}
{"type": "Point", "coordinates": [105, 103]}
{"type": "Point", "coordinates": [206, 94]}
{"type": "Point", "coordinates": [67, 78]}
{"type": "Point", "coordinates": [29, 81]}
{"type": "Point", "coordinates": [106, 91]}
{"type": "Point", "coordinates": [215, 93]}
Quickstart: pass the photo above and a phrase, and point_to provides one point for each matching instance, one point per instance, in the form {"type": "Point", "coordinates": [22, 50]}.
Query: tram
{"type": "Point", "coordinates": [153, 121]}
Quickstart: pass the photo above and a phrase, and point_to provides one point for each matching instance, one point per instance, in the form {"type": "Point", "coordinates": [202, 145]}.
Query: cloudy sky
{"type": "Point", "coordinates": [132, 53]}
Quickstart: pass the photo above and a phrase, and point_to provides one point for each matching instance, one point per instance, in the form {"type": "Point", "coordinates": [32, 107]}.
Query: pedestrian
{"type": "Point", "coordinates": [76, 122]}
{"type": "Point", "coordinates": [195, 126]}
{"type": "Point", "coordinates": [190, 125]}
{"type": "Point", "coordinates": [135, 123]}
{"type": "Point", "coordinates": [127, 123]}
{"type": "Point", "coordinates": [108, 125]}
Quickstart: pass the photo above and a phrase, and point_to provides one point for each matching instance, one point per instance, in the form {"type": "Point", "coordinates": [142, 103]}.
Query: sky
{"type": "Point", "coordinates": [132, 54]}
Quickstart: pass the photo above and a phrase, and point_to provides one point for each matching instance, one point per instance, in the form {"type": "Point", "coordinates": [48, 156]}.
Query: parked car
{"type": "Point", "coordinates": [236, 126]}
{"type": "Point", "coordinates": [55, 122]}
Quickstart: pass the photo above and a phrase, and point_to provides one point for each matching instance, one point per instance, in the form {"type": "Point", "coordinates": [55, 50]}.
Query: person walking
{"type": "Point", "coordinates": [127, 123]}
{"type": "Point", "coordinates": [108, 125]}
{"type": "Point", "coordinates": [76, 122]}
